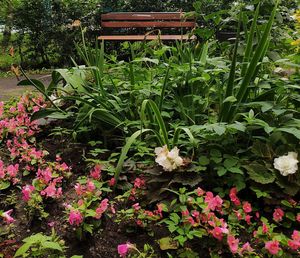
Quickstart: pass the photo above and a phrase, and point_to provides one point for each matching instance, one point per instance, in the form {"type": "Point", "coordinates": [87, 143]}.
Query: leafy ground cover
{"type": "Point", "coordinates": [180, 151]}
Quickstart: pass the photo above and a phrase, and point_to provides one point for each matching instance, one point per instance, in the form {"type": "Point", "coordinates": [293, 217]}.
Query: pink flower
{"type": "Point", "coordinates": [139, 183]}
{"type": "Point", "coordinates": [2, 169]}
{"type": "Point", "coordinates": [190, 220]}
{"type": "Point", "coordinates": [101, 209]}
{"type": "Point", "coordinates": [136, 206]}
{"type": "Point", "coordinates": [75, 218]}
{"type": "Point", "coordinates": [272, 247]}
{"type": "Point", "coordinates": [233, 244]}
{"type": "Point", "coordinates": [246, 248]}
{"type": "Point", "coordinates": [199, 191]}
{"type": "Point", "coordinates": [298, 217]}
{"type": "Point", "coordinates": [248, 219]}
{"type": "Point", "coordinates": [90, 186]}
{"type": "Point", "coordinates": [233, 196]}
{"type": "Point", "coordinates": [265, 228]}
{"type": "Point", "coordinates": [123, 249]}
{"type": "Point", "coordinates": [7, 218]}
{"type": "Point", "coordinates": [79, 189]}
{"type": "Point", "coordinates": [112, 182]}
{"type": "Point", "coordinates": [238, 214]}
{"type": "Point", "coordinates": [278, 214]}
{"type": "Point", "coordinates": [293, 244]}
{"type": "Point", "coordinates": [217, 233]}
{"type": "Point", "coordinates": [213, 202]}
{"type": "Point", "coordinates": [96, 172]}
{"type": "Point", "coordinates": [185, 213]}
{"type": "Point", "coordinates": [12, 170]}
{"type": "Point", "coordinates": [296, 235]}
{"type": "Point", "coordinates": [26, 191]}
{"type": "Point", "coordinates": [247, 207]}
{"type": "Point", "coordinates": [51, 191]}
{"type": "Point", "coordinates": [51, 224]}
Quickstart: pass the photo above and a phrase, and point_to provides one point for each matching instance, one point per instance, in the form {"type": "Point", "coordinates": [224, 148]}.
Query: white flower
{"type": "Point", "coordinates": [56, 100]}
{"type": "Point", "coordinates": [169, 160]}
{"type": "Point", "coordinates": [287, 164]}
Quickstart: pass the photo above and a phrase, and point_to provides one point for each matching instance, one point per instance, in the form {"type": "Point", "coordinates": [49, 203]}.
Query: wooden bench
{"type": "Point", "coordinates": [148, 20]}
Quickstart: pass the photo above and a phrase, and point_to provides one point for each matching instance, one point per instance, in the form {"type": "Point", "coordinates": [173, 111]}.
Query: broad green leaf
{"type": "Point", "coordinates": [23, 249]}
{"type": "Point", "coordinates": [231, 99]}
{"type": "Point", "coordinates": [4, 185]}
{"type": "Point", "coordinates": [293, 131]}
{"type": "Point", "coordinates": [260, 173]}
{"type": "Point", "coordinates": [52, 245]}
{"type": "Point", "coordinates": [167, 243]}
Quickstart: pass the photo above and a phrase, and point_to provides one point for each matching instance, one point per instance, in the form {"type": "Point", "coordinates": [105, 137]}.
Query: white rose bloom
{"type": "Point", "coordinates": [169, 160]}
{"type": "Point", "coordinates": [287, 164]}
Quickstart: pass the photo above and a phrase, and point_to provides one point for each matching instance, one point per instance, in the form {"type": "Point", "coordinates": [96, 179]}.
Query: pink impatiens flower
{"type": "Point", "coordinates": [246, 248]}
{"type": "Point", "coordinates": [278, 214]}
{"type": "Point", "coordinates": [123, 249]}
{"type": "Point", "coordinates": [112, 182]}
{"type": "Point", "coordinates": [139, 183]}
{"type": "Point", "coordinates": [247, 207]}
{"type": "Point", "coordinates": [26, 191]}
{"type": "Point", "coordinates": [272, 247]}
{"type": "Point", "coordinates": [7, 218]}
{"type": "Point", "coordinates": [233, 196]}
{"type": "Point", "coordinates": [213, 202]}
{"type": "Point", "coordinates": [12, 170]}
{"type": "Point", "coordinates": [101, 209]}
{"type": "Point", "coordinates": [233, 244]}
{"type": "Point", "coordinates": [217, 233]}
{"type": "Point", "coordinates": [75, 218]}
{"type": "Point", "coordinates": [96, 172]}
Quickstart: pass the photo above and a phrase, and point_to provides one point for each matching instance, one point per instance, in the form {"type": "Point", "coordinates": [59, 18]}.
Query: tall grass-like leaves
{"type": "Point", "coordinates": [148, 103]}
{"type": "Point", "coordinates": [163, 90]}
{"type": "Point", "coordinates": [230, 112]}
{"type": "Point", "coordinates": [230, 83]}
{"type": "Point", "coordinates": [125, 150]}
{"type": "Point", "coordinates": [249, 46]}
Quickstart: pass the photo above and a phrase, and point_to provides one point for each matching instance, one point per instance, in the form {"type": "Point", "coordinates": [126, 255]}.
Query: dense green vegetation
{"type": "Point", "coordinates": [187, 149]}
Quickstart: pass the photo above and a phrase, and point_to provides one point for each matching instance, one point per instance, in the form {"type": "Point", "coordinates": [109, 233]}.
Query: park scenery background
{"type": "Point", "coordinates": [150, 149]}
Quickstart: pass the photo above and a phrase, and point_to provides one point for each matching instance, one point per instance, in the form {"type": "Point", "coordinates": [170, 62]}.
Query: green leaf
{"type": "Point", "coordinates": [203, 161]}
{"type": "Point", "coordinates": [230, 162]}
{"type": "Point", "coordinates": [167, 243]}
{"type": "Point", "coordinates": [198, 233]}
{"type": "Point", "coordinates": [88, 228]}
{"type": "Point", "coordinates": [219, 129]}
{"type": "Point", "coordinates": [235, 170]}
{"type": "Point", "coordinates": [286, 203]}
{"type": "Point", "coordinates": [125, 150]}
{"type": "Point", "coordinates": [231, 99]}
{"type": "Point", "coordinates": [260, 193]}
{"type": "Point", "coordinates": [174, 217]}
{"type": "Point", "coordinates": [4, 185]}
{"type": "Point", "coordinates": [221, 171]}
{"type": "Point", "coordinates": [293, 131]}
{"type": "Point", "coordinates": [260, 173]}
{"type": "Point", "coordinates": [23, 249]}
{"type": "Point", "coordinates": [290, 216]}
{"type": "Point", "coordinates": [52, 245]}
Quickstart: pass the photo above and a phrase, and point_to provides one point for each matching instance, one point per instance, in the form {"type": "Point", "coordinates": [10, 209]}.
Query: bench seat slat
{"type": "Point", "coordinates": [155, 24]}
{"type": "Point", "coordinates": [143, 37]}
{"type": "Point", "coordinates": [143, 16]}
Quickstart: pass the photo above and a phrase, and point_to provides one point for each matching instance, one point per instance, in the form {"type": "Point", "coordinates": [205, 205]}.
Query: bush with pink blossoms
{"type": "Point", "coordinates": [85, 213]}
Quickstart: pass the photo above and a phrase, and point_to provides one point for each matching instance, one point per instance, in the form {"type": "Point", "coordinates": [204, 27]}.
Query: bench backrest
{"type": "Point", "coordinates": [146, 20]}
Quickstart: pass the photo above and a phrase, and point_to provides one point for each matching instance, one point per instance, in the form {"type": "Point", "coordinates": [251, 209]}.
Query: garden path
{"type": "Point", "coordinates": [9, 88]}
